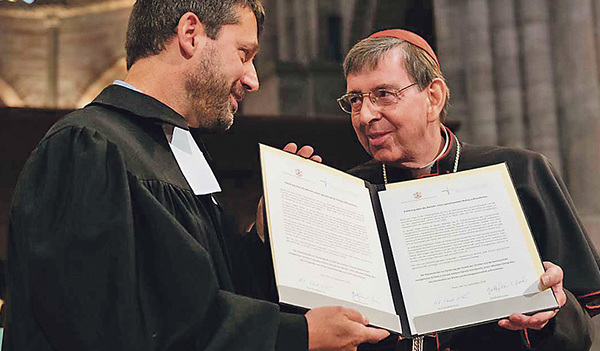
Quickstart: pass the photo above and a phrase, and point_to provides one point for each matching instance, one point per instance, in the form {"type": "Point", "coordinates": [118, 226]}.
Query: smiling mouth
{"type": "Point", "coordinates": [236, 95]}
{"type": "Point", "coordinates": [235, 100]}
{"type": "Point", "coordinates": [376, 139]}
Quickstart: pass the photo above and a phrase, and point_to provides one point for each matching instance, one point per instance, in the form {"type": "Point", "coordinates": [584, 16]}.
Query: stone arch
{"type": "Point", "coordinates": [9, 96]}
{"type": "Point", "coordinates": [117, 71]}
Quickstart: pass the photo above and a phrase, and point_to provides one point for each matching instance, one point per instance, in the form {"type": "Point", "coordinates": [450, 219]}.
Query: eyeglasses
{"type": "Point", "coordinates": [352, 102]}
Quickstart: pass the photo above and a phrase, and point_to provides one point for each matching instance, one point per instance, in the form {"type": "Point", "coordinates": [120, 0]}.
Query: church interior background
{"type": "Point", "coordinates": [522, 73]}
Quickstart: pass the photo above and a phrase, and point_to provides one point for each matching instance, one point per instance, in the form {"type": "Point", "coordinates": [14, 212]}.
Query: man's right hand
{"type": "Point", "coordinates": [339, 328]}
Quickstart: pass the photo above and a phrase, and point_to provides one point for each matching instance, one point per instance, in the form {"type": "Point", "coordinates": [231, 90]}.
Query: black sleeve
{"type": "Point", "coordinates": [74, 263]}
{"type": "Point", "coordinates": [558, 230]}
{"type": "Point", "coordinates": [252, 267]}
{"type": "Point", "coordinates": [570, 329]}
{"type": "Point", "coordinates": [253, 275]}
{"type": "Point", "coordinates": [71, 246]}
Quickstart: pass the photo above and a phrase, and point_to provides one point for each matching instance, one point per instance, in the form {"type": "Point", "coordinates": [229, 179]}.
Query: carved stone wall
{"type": "Point", "coordinates": [50, 56]}
{"type": "Point", "coordinates": [525, 73]}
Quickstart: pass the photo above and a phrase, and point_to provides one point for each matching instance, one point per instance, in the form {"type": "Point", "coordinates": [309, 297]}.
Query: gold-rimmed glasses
{"type": "Point", "coordinates": [352, 102]}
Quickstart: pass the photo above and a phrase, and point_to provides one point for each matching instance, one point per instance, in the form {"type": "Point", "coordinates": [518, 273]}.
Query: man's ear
{"type": "Point", "coordinates": [436, 92]}
{"type": "Point", "coordinates": [190, 34]}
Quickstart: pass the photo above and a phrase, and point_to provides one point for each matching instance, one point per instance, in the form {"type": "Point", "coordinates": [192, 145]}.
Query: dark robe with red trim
{"type": "Point", "coordinates": [110, 249]}
{"type": "Point", "coordinates": [560, 238]}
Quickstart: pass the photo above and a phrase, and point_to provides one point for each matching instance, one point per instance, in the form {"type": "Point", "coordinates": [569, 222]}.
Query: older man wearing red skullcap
{"type": "Point", "coordinates": [398, 99]}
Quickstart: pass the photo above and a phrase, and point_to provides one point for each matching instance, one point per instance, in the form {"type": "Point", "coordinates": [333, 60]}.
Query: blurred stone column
{"type": "Point", "coordinates": [538, 79]}
{"type": "Point", "coordinates": [363, 19]}
{"type": "Point", "coordinates": [301, 32]}
{"type": "Point", "coordinates": [347, 11]}
{"type": "Point", "coordinates": [312, 26]}
{"type": "Point", "coordinates": [302, 39]}
{"type": "Point", "coordinates": [283, 42]}
{"type": "Point", "coordinates": [579, 105]}
{"type": "Point", "coordinates": [507, 74]}
{"type": "Point", "coordinates": [449, 25]}
{"type": "Point", "coordinates": [479, 73]}
{"type": "Point", "coordinates": [370, 17]}
{"type": "Point", "coordinates": [596, 6]}
{"type": "Point", "coordinates": [52, 23]}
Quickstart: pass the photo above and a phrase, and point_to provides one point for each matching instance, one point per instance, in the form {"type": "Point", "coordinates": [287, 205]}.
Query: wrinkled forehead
{"type": "Point", "coordinates": [366, 53]}
{"type": "Point", "coordinates": [391, 62]}
{"type": "Point", "coordinates": [374, 61]}
{"type": "Point", "coordinates": [387, 73]}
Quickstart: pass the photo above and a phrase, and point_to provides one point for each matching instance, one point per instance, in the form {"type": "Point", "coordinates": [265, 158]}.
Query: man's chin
{"type": "Point", "coordinates": [384, 156]}
{"type": "Point", "coordinates": [225, 122]}
{"type": "Point", "coordinates": [229, 122]}
{"type": "Point", "coordinates": [220, 124]}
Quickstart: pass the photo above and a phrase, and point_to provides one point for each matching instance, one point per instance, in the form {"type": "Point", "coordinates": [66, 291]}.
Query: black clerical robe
{"type": "Point", "coordinates": [560, 238]}
{"type": "Point", "coordinates": [109, 248]}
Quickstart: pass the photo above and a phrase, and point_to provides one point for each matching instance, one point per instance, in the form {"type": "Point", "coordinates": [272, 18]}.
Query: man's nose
{"type": "Point", "coordinates": [250, 78]}
{"type": "Point", "coordinates": [368, 112]}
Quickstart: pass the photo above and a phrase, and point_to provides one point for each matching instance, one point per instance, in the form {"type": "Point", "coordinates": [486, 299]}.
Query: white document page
{"type": "Point", "coordinates": [324, 238]}
{"type": "Point", "coordinates": [462, 240]}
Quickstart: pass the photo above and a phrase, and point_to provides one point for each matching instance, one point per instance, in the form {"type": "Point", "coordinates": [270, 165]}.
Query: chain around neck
{"type": "Point", "coordinates": [454, 168]}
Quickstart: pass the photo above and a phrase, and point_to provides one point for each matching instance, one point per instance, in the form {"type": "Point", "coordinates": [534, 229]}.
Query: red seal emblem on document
{"type": "Point", "coordinates": [418, 195]}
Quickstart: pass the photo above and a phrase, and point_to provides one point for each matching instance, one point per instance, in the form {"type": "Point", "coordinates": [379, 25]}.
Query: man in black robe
{"type": "Point", "coordinates": [398, 100]}
{"type": "Point", "coordinates": [116, 241]}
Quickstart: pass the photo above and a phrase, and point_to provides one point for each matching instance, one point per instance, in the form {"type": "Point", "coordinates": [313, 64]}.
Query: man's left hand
{"type": "Point", "coordinates": [306, 151]}
{"type": "Point", "coordinates": [552, 278]}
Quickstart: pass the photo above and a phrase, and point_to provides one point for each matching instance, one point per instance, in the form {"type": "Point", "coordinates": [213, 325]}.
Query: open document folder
{"type": "Point", "coordinates": [416, 257]}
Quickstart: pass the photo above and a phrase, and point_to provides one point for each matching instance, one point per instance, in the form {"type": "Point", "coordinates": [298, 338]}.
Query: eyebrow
{"type": "Point", "coordinates": [253, 48]}
{"type": "Point", "coordinates": [387, 87]}
{"type": "Point", "coordinates": [381, 86]}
